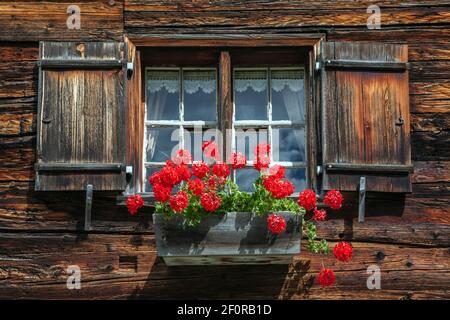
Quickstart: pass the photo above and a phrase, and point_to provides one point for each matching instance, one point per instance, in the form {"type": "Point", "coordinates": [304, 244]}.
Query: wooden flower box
{"type": "Point", "coordinates": [232, 238]}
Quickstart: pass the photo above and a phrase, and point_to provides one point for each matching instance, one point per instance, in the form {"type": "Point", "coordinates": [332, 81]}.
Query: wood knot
{"type": "Point", "coordinates": [409, 264]}
{"type": "Point", "coordinates": [380, 255]}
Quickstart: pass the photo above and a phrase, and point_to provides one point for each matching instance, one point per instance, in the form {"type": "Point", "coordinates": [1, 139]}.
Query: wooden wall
{"type": "Point", "coordinates": [40, 232]}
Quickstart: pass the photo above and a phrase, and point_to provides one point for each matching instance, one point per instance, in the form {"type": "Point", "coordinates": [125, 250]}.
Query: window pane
{"type": "Point", "coordinates": [163, 98]}
{"type": "Point", "coordinates": [297, 177]}
{"type": "Point", "coordinates": [160, 145]}
{"type": "Point", "coordinates": [288, 144]}
{"type": "Point", "coordinates": [200, 95]}
{"type": "Point", "coordinates": [288, 101]}
{"type": "Point", "coordinates": [245, 179]}
{"type": "Point", "coordinates": [247, 139]}
{"type": "Point", "coordinates": [250, 93]}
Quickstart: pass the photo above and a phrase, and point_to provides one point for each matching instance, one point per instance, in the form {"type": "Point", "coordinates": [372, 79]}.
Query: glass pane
{"type": "Point", "coordinates": [160, 146]}
{"type": "Point", "coordinates": [246, 140]}
{"type": "Point", "coordinates": [200, 95]}
{"type": "Point", "coordinates": [163, 95]}
{"type": "Point", "coordinates": [250, 93]}
{"type": "Point", "coordinates": [245, 179]}
{"type": "Point", "coordinates": [193, 140]}
{"type": "Point", "coordinates": [297, 177]}
{"type": "Point", "coordinates": [288, 144]}
{"type": "Point", "coordinates": [288, 101]}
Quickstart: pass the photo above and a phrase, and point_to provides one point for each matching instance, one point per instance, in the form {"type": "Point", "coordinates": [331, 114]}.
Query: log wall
{"type": "Point", "coordinates": [40, 232]}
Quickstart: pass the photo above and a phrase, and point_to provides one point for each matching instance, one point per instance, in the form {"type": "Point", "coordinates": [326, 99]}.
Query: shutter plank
{"type": "Point", "coordinates": [82, 117]}
{"type": "Point", "coordinates": [362, 106]}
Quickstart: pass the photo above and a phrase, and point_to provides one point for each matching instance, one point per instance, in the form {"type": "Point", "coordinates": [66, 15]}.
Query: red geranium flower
{"type": "Point", "coordinates": [200, 169]}
{"type": "Point", "coordinates": [276, 224]}
{"type": "Point", "coordinates": [221, 169]}
{"type": "Point", "coordinates": [183, 172]}
{"type": "Point", "coordinates": [343, 251]}
{"type": "Point", "coordinates": [196, 186]}
{"type": "Point", "coordinates": [333, 199]}
{"type": "Point", "coordinates": [211, 150]}
{"type": "Point", "coordinates": [277, 171]}
{"type": "Point", "coordinates": [169, 176]}
{"type": "Point", "coordinates": [134, 203]}
{"type": "Point", "coordinates": [210, 201]}
{"type": "Point", "coordinates": [182, 156]}
{"type": "Point", "coordinates": [179, 201]}
{"type": "Point", "coordinates": [262, 149]}
{"type": "Point", "coordinates": [278, 188]}
{"type": "Point", "coordinates": [237, 160]}
{"type": "Point", "coordinates": [326, 277]}
{"type": "Point", "coordinates": [155, 178]}
{"type": "Point", "coordinates": [319, 215]}
{"type": "Point", "coordinates": [261, 162]}
{"type": "Point", "coordinates": [307, 199]}
{"type": "Point", "coordinates": [161, 192]}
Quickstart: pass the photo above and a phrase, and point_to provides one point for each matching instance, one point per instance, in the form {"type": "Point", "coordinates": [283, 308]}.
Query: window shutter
{"type": "Point", "coordinates": [81, 116]}
{"type": "Point", "coordinates": [365, 116]}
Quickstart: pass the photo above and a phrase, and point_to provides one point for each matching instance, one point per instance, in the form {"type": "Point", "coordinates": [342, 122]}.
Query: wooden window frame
{"type": "Point", "coordinates": [226, 42]}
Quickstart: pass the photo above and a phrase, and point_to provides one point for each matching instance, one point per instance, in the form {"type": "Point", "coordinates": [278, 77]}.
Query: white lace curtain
{"type": "Point", "coordinates": [257, 80]}
{"type": "Point", "coordinates": [193, 81]}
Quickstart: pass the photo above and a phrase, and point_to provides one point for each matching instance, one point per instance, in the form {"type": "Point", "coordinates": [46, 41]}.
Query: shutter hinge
{"type": "Point", "coordinates": [362, 199]}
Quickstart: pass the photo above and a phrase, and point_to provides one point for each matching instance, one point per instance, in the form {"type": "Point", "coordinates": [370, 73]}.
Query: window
{"type": "Point", "coordinates": [178, 101]}
{"type": "Point", "coordinates": [269, 104]}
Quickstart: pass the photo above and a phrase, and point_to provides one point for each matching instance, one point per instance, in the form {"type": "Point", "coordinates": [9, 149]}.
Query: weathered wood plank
{"type": "Point", "coordinates": [285, 18]}
{"type": "Point", "coordinates": [42, 274]}
{"type": "Point", "coordinates": [36, 20]}
{"type": "Point", "coordinates": [240, 5]}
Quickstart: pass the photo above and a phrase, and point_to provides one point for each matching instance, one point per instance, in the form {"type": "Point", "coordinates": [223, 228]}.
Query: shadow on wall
{"type": "Point", "coordinates": [225, 282]}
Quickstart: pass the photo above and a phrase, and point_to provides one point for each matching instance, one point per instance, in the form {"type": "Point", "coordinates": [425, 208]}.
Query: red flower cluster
{"type": "Point", "coordinates": [210, 201]}
{"type": "Point", "coordinates": [196, 186]}
{"type": "Point", "coordinates": [320, 215]}
{"type": "Point", "coordinates": [307, 199]}
{"type": "Point", "coordinates": [333, 199]}
{"type": "Point", "coordinates": [326, 277]}
{"type": "Point", "coordinates": [161, 193]}
{"type": "Point", "coordinates": [169, 175]}
{"type": "Point", "coordinates": [134, 203]}
{"type": "Point", "coordinates": [183, 172]}
{"type": "Point", "coordinates": [200, 169]}
{"type": "Point", "coordinates": [343, 251]}
{"type": "Point", "coordinates": [238, 160]}
{"type": "Point", "coordinates": [179, 201]}
{"type": "Point", "coordinates": [276, 224]}
{"type": "Point", "coordinates": [211, 150]}
{"type": "Point", "coordinates": [278, 188]}
{"type": "Point", "coordinates": [221, 170]}
{"type": "Point", "coordinates": [262, 156]}
{"type": "Point", "coordinates": [182, 156]}
{"type": "Point", "coordinates": [277, 171]}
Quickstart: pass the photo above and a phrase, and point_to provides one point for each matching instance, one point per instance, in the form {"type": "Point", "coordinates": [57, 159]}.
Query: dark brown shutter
{"type": "Point", "coordinates": [81, 116]}
{"type": "Point", "coordinates": [365, 116]}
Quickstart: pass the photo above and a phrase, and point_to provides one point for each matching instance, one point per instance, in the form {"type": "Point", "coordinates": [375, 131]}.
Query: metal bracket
{"type": "Point", "coordinates": [130, 68]}
{"type": "Point", "coordinates": [362, 199]}
{"type": "Point", "coordinates": [87, 210]}
{"type": "Point", "coordinates": [318, 66]}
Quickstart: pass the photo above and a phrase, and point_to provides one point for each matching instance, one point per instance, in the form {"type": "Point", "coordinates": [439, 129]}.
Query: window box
{"type": "Point", "coordinates": [231, 238]}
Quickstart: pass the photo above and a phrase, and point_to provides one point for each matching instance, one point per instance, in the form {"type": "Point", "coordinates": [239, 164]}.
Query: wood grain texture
{"type": "Point", "coordinates": [37, 20]}
{"type": "Point", "coordinates": [81, 116]}
{"type": "Point", "coordinates": [41, 232]}
{"type": "Point", "coordinates": [362, 111]}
